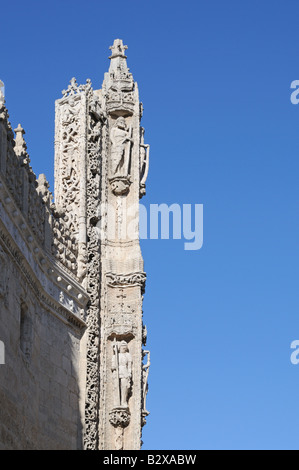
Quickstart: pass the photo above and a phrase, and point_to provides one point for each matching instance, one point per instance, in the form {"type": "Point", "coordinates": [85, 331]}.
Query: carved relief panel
{"type": "Point", "coordinates": [67, 159]}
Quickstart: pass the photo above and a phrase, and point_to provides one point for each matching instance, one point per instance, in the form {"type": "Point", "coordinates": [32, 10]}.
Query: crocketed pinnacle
{"type": "Point", "coordinates": [118, 58]}
{"type": "Point", "coordinates": [20, 144]}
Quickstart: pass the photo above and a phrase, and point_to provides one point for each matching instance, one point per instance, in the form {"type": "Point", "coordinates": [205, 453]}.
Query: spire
{"type": "Point", "coordinates": [118, 58]}
{"type": "Point", "coordinates": [118, 86]}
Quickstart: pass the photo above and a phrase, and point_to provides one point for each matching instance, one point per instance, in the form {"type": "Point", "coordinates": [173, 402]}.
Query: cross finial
{"type": "Point", "coordinates": [118, 49]}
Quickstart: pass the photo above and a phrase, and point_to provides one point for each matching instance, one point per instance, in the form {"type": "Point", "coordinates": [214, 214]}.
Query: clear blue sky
{"type": "Point", "coordinates": [214, 77]}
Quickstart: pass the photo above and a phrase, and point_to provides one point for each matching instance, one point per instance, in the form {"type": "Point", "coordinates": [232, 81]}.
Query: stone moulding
{"type": "Point", "coordinates": [126, 280]}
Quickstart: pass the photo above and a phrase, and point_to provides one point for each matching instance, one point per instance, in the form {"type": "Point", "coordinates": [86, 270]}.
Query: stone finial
{"type": "Point", "coordinates": [20, 144]}
{"type": "Point", "coordinates": [42, 181]}
{"type": "Point", "coordinates": [43, 188]}
{"type": "Point", "coordinates": [118, 49]}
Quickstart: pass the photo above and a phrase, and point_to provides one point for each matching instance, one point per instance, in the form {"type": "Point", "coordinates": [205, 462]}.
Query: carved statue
{"type": "Point", "coordinates": [145, 372]}
{"type": "Point", "coordinates": [122, 371]}
{"type": "Point", "coordinates": [121, 139]}
{"type": "Point", "coordinates": [144, 163]}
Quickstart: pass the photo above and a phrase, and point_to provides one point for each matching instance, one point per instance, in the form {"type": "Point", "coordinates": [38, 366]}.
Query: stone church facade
{"type": "Point", "coordinates": [71, 274]}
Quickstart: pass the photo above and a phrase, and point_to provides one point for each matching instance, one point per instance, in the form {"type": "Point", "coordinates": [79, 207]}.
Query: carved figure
{"type": "Point", "coordinates": [121, 139]}
{"type": "Point", "coordinates": [144, 163]}
{"type": "Point", "coordinates": [145, 372]}
{"type": "Point", "coordinates": [122, 369]}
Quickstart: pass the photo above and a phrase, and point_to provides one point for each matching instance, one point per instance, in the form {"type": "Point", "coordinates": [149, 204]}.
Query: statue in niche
{"type": "Point", "coordinates": [122, 371]}
{"type": "Point", "coordinates": [121, 140]}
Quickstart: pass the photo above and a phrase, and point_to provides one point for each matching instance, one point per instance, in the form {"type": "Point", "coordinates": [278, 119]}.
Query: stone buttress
{"type": "Point", "coordinates": [101, 166]}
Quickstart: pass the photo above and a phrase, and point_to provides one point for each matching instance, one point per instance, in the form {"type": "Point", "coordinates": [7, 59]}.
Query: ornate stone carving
{"type": "Point", "coordinates": [132, 279]}
{"type": "Point", "coordinates": [74, 88]}
{"type": "Point", "coordinates": [93, 189]}
{"type": "Point", "coordinates": [70, 162]}
{"type": "Point", "coordinates": [120, 95]}
{"type": "Point", "coordinates": [120, 417]}
{"type": "Point", "coordinates": [64, 243]}
{"type": "Point", "coordinates": [122, 324]}
{"type": "Point", "coordinates": [70, 176]}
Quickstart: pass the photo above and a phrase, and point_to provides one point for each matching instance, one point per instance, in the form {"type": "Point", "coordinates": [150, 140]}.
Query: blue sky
{"type": "Point", "coordinates": [214, 78]}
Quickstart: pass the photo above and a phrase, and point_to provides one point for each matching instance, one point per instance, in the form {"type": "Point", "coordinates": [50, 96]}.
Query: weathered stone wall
{"type": "Point", "coordinates": [42, 310]}
{"type": "Point", "coordinates": [39, 391]}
